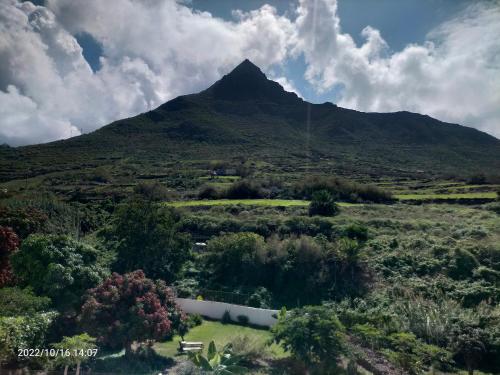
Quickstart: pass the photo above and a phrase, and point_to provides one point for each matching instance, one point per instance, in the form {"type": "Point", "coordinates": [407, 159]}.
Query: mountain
{"type": "Point", "coordinates": [244, 115]}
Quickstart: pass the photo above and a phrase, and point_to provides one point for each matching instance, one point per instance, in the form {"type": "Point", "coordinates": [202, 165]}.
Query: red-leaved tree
{"type": "Point", "coordinates": [9, 242]}
{"type": "Point", "coordinates": [130, 308]}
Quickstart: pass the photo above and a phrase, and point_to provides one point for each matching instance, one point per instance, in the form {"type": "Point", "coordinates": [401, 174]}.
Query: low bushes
{"type": "Point", "coordinates": [341, 190]}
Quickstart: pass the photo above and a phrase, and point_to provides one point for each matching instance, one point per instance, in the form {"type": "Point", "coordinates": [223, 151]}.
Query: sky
{"type": "Point", "coordinates": [69, 67]}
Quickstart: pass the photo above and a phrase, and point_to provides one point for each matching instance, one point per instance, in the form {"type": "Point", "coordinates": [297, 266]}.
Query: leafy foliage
{"type": "Point", "coordinates": [130, 307]}
{"type": "Point", "coordinates": [323, 204]}
{"type": "Point", "coordinates": [8, 244]}
{"type": "Point", "coordinates": [342, 190]}
{"type": "Point", "coordinates": [23, 220]}
{"type": "Point", "coordinates": [22, 332]}
{"type": "Point", "coordinates": [145, 236]}
{"type": "Point", "coordinates": [58, 267]}
{"type": "Point", "coordinates": [15, 301]}
{"type": "Point", "coordinates": [76, 348]}
{"type": "Point", "coordinates": [222, 362]}
{"type": "Point", "coordinates": [233, 258]}
{"type": "Point", "coordinates": [312, 333]}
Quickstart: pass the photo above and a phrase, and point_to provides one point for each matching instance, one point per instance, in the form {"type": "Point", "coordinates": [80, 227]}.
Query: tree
{"type": "Point", "coordinates": [146, 238]}
{"type": "Point", "coordinates": [58, 267]}
{"type": "Point", "coordinates": [468, 345]}
{"type": "Point", "coordinates": [23, 332]}
{"type": "Point", "coordinates": [323, 204]}
{"type": "Point", "coordinates": [128, 308]}
{"type": "Point", "coordinates": [313, 334]}
{"type": "Point", "coordinates": [222, 362]}
{"type": "Point", "coordinates": [76, 349]}
{"type": "Point", "coordinates": [23, 221]}
{"type": "Point", "coordinates": [9, 242]}
{"type": "Point", "coordinates": [16, 301]}
{"type": "Point", "coordinates": [232, 258]}
{"type": "Point", "coordinates": [152, 191]}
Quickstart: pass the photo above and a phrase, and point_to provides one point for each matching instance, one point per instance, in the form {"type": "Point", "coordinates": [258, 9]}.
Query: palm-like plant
{"type": "Point", "coordinates": [222, 362]}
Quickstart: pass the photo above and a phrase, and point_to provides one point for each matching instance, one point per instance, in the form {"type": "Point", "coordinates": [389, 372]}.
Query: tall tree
{"type": "Point", "coordinates": [128, 308]}
{"type": "Point", "coordinates": [58, 267]}
{"type": "Point", "coordinates": [146, 237]}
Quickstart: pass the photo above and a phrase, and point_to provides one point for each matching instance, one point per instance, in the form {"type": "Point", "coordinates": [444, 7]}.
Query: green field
{"type": "Point", "coordinates": [221, 334]}
{"type": "Point", "coordinates": [478, 195]}
{"type": "Point", "coordinates": [250, 202]}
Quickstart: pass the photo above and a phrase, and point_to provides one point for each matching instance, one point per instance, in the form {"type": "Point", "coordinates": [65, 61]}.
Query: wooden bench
{"type": "Point", "coordinates": [190, 346]}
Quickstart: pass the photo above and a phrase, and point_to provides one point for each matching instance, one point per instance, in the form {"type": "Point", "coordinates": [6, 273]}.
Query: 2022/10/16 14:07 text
{"type": "Point", "coordinates": [37, 352]}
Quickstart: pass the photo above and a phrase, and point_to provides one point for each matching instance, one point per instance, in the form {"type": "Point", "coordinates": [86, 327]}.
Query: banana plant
{"type": "Point", "coordinates": [222, 362]}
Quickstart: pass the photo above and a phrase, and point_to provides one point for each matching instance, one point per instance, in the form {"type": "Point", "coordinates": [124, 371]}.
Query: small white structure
{"type": "Point", "coordinates": [215, 310]}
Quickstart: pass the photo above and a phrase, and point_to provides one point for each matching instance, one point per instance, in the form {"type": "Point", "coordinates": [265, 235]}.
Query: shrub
{"type": "Point", "coordinates": [152, 191]}
{"type": "Point", "coordinates": [414, 355]}
{"type": "Point", "coordinates": [477, 179]}
{"type": "Point", "coordinates": [16, 301]}
{"type": "Point", "coordinates": [208, 192]}
{"type": "Point", "coordinates": [462, 264]}
{"type": "Point", "coordinates": [244, 190]}
{"type": "Point", "coordinates": [261, 298]}
{"type": "Point", "coordinates": [312, 334]}
{"type": "Point", "coordinates": [194, 320]}
{"type": "Point", "coordinates": [356, 232]}
{"type": "Point", "coordinates": [370, 335]}
{"type": "Point", "coordinates": [100, 175]}
{"type": "Point", "coordinates": [341, 190]}
{"type": "Point", "coordinates": [323, 204]}
{"type": "Point", "coordinates": [250, 349]}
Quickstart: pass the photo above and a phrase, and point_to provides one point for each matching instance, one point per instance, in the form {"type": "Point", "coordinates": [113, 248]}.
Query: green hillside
{"type": "Point", "coordinates": [244, 118]}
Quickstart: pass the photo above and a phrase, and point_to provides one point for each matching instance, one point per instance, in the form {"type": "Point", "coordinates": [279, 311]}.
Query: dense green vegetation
{"type": "Point", "coordinates": [417, 286]}
{"type": "Point", "coordinates": [386, 262]}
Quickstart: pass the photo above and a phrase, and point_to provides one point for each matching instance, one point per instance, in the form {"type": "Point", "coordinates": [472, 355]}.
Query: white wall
{"type": "Point", "coordinates": [215, 310]}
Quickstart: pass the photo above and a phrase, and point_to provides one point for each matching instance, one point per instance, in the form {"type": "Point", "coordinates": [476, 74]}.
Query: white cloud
{"type": "Point", "coordinates": [154, 50]}
{"type": "Point", "coordinates": [454, 76]}
{"type": "Point", "coordinates": [19, 113]}
{"type": "Point", "coordinates": [288, 85]}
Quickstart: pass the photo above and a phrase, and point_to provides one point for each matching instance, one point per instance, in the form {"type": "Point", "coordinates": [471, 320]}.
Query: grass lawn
{"type": "Point", "coordinates": [252, 202]}
{"type": "Point", "coordinates": [478, 195]}
{"type": "Point", "coordinates": [221, 334]}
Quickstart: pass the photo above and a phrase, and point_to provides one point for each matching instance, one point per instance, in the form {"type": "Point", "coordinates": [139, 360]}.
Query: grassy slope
{"type": "Point", "coordinates": [221, 334]}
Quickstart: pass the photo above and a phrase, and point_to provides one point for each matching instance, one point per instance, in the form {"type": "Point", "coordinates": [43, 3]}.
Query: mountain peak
{"type": "Point", "coordinates": [246, 67]}
{"type": "Point", "coordinates": [247, 82]}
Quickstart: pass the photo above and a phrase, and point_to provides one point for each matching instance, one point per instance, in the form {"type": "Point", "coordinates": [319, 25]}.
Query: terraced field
{"type": "Point", "coordinates": [475, 195]}
{"type": "Point", "coordinates": [250, 202]}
